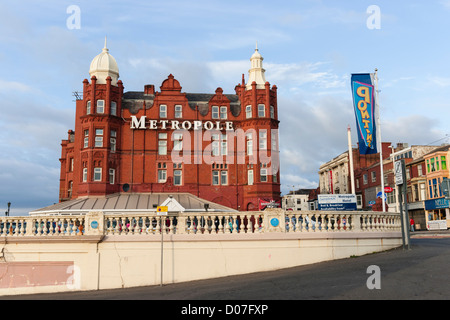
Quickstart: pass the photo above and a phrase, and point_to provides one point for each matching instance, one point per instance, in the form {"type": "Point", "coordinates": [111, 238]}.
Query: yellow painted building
{"type": "Point", "coordinates": [437, 170]}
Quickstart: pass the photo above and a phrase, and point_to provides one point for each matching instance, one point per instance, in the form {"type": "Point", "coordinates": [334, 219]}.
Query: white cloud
{"type": "Point", "coordinates": [299, 74]}
{"type": "Point", "coordinates": [445, 3]}
{"type": "Point", "coordinates": [413, 129]}
{"type": "Point", "coordinates": [27, 184]}
{"type": "Point", "coordinates": [15, 86]}
{"type": "Point", "coordinates": [440, 81]}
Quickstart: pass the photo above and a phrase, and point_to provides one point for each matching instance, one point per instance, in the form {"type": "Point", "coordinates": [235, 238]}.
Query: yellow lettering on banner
{"type": "Point", "coordinates": [363, 109]}
{"type": "Point", "coordinates": [362, 105]}
{"type": "Point", "coordinates": [364, 92]}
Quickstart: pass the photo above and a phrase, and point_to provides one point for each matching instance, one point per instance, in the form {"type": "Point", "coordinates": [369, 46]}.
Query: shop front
{"type": "Point", "coordinates": [437, 213]}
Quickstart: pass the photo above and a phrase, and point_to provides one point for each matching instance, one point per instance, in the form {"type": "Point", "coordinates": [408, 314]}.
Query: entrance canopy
{"type": "Point", "coordinates": [133, 202]}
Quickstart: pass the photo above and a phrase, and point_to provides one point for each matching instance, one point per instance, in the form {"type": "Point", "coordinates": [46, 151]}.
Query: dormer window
{"type": "Point", "coordinates": [163, 111]}
{"type": "Point", "coordinates": [223, 112]}
{"type": "Point", "coordinates": [178, 111]}
{"type": "Point", "coordinates": [88, 107]}
{"type": "Point", "coordinates": [215, 112]}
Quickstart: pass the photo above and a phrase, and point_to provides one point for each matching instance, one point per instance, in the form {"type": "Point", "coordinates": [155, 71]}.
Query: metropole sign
{"type": "Point", "coordinates": [152, 124]}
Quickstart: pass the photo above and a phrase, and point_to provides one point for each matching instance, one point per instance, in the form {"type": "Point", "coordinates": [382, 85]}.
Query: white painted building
{"type": "Point", "coordinates": [296, 200]}
{"type": "Point", "coordinates": [334, 175]}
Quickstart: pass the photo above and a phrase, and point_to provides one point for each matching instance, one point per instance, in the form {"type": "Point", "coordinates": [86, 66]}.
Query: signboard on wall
{"type": "Point", "coordinates": [437, 225]}
{"type": "Point", "coordinates": [337, 202]}
{"type": "Point", "coordinates": [263, 204]}
{"type": "Point", "coordinates": [439, 203]}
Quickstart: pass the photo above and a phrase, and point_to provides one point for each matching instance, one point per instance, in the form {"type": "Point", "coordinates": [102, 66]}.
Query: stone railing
{"type": "Point", "coordinates": [99, 223]}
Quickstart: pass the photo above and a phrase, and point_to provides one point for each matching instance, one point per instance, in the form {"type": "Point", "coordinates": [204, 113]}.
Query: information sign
{"type": "Point", "coordinates": [161, 210]}
{"type": "Point", "coordinates": [337, 202]}
{"type": "Point", "coordinates": [398, 171]}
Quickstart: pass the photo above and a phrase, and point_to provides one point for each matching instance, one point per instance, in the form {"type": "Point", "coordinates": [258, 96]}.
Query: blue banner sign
{"type": "Point", "coordinates": [439, 203]}
{"type": "Point", "coordinates": [336, 202]}
{"type": "Point", "coordinates": [364, 106]}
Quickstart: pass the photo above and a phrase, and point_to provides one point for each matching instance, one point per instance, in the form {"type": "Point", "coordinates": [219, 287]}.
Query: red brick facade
{"type": "Point", "coordinates": [129, 142]}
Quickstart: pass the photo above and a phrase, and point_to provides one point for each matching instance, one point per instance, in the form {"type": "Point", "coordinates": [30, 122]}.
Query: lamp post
{"type": "Point", "coordinates": [294, 203]}
{"type": "Point", "coordinates": [7, 212]}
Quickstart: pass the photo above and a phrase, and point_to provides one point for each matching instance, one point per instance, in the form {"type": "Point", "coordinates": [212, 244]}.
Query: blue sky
{"type": "Point", "coordinates": [310, 49]}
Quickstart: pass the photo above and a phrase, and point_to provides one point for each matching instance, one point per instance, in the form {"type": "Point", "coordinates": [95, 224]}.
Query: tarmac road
{"type": "Point", "coordinates": [421, 273]}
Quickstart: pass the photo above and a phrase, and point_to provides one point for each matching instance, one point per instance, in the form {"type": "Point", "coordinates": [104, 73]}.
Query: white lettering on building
{"type": "Point", "coordinates": [142, 123]}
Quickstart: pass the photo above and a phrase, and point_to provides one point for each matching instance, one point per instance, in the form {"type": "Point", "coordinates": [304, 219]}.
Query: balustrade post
{"type": "Point", "coordinates": [256, 224]}
{"type": "Point", "coordinates": [17, 228]}
{"type": "Point", "coordinates": [227, 224]}
{"type": "Point", "coordinates": [356, 222]}
{"type": "Point", "coordinates": [311, 224]}
{"type": "Point", "coordinates": [235, 225]}
{"type": "Point", "coordinates": [50, 226]}
{"type": "Point", "coordinates": [94, 223]}
{"type": "Point", "coordinates": [348, 225]}
{"type": "Point", "coordinates": [340, 225]}
{"type": "Point", "coordinates": [298, 224]}
{"type": "Point", "coordinates": [303, 222]}
{"type": "Point", "coordinates": [290, 226]}
{"type": "Point", "coordinates": [261, 224]}
{"type": "Point", "coordinates": [109, 225]}
{"type": "Point", "coordinates": [28, 229]}
{"type": "Point", "coordinates": [3, 230]}
{"type": "Point", "coordinates": [383, 223]}
{"type": "Point", "coordinates": [322, 219]}
{"type": "Point", "coordinates": [181, 224]}
{"type": "Point", "coordinates": [330, 223]}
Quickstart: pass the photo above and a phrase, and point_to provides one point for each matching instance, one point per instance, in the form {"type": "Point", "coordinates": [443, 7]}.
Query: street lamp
{"type": "Point", "coordinates": [7, 212]}
{"type": "Point", "coordinates": [294, 206]}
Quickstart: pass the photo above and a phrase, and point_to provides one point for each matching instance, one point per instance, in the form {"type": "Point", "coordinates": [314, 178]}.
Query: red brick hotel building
{"type": "Point", "coordinates": [219, 147]}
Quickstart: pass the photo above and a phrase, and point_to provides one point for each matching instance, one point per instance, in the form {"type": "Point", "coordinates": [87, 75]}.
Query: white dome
{"type": "Point", "coordinates": [256, 55]}
{"type": "Point", "coordinates": [104, 65]}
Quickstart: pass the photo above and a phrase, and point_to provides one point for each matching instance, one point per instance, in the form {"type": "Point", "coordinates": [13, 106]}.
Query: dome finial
{"type": "Point", "coordinates": [256, 45]}
{"type": "Point", "coordinates": [105, 49]}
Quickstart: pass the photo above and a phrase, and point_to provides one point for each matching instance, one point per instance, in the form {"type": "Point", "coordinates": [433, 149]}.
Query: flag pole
{"type": "Point", "coordinates": [350, 156]}
{"type": "Point", "coordinates": [380, 145]}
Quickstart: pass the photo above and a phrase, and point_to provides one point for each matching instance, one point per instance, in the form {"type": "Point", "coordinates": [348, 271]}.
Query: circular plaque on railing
{"type": "Point", "coordinates": [274, 222]}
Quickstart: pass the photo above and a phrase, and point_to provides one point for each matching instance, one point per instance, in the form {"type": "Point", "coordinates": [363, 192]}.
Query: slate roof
{"type": "Point", "coordinates": [133, 100]}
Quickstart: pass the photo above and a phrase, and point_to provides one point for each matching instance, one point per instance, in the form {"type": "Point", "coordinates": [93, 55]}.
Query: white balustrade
{"type": "Point", "coordinates": [41, 226]}
{"type": "Point", "coordinates": [200, 223]}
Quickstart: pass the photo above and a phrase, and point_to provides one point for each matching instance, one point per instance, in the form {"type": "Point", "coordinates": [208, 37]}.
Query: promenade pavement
{"type": "Point", "coordinates": [420, 273]}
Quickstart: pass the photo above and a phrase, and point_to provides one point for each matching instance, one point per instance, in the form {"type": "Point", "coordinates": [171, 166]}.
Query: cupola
{"type": "Point", "coordinates": [256, 73]}
{"type": "Point", "coordinates": [104, 65]}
